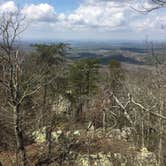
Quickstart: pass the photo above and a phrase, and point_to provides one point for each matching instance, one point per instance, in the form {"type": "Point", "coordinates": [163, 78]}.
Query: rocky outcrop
{"type": "Point", "coordinates": [40, 135]}
{"type": "Point", "coordinates": [62, 105]}
{"type": "Point", "coordinates": [143, 158]}
{"type": "Point", "coordinates": [94, 159]}
{"type": "Point", "coordinates": [125, 133]}
{"type": "Point", "coordinates": [106, 148]}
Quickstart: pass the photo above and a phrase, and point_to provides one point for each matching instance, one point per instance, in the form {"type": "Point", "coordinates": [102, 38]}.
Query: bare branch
{"type": "Point", "coordinates": [147, 110]}
{"type": "Point", "coordinates": [124, 109]}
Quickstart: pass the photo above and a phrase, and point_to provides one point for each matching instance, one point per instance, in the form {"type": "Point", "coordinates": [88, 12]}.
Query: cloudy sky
{"type": "Point", "coordinates": [89, 19]}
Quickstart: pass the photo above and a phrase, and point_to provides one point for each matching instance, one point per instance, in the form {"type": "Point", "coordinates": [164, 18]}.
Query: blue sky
{"type": "Point", "coordinates": [60, 5]}
{"type": "Point", "coordinates": [89, 19]}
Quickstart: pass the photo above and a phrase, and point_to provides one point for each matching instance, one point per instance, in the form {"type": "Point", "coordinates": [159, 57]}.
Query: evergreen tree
{"type": "Point", "coordinates": [83, 78]}
{"type": "Point", "coordinates": [116, 75]}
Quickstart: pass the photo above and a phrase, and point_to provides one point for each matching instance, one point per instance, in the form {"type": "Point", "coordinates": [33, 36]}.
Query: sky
{"type": "Point", "coordinates": [87, 20]}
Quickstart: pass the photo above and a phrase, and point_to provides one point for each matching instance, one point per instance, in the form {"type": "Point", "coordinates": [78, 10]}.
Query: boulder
{"type": "Point", "coordinates": [145, 158]}
{"type": "Point", "coordinates": [99, 159]}
{"type": "Point", "coordinates": [142, 158]}
{"type": "Point", "coordinates": [40, 135]}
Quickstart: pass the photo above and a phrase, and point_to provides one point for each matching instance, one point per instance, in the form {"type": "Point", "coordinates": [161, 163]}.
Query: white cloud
{"type": "Point", "coordinates": [8, 6]}
{"type": "Point", "coordinates": [113, 14]}
{"type": "Point", "coordinates": [94, 13]}
{"type": "Point", "coordinates": [107, 14]}
{"type": "Point", "coordinates": [91, 15]}
{"type": "Point", "coordinates": [42, 12]}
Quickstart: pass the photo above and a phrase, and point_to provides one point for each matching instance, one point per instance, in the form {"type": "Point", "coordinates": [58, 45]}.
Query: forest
{"type": "Point", "coordinates": [61, 111]}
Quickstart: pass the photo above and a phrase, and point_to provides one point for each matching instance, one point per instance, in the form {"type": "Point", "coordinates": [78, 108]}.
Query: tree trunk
{"type": "Point", "coordinates": [49, 140]}
{"type": "Point", "coordinates": [104, 120]}
{"type": "Point", "coordinates": [44, 105]}
{"type": "Point", "coordinates": [160, 134]}
{"type": "Point", "coordinates": [19, 137]}
{"type": "Point", "coordinates": [142, 131]}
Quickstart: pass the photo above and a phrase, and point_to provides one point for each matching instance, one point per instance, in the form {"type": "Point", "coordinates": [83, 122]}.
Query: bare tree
{"type": "Point", "coordinates": [155, 5]}
{"type": "Point", "coordinates": [11, 26]}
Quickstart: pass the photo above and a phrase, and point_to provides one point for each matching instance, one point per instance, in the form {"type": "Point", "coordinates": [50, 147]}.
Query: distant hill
{"type": "Point", "coordinates": [105, 59]}
{"type": "Point", "coordinates": [125, 52]}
